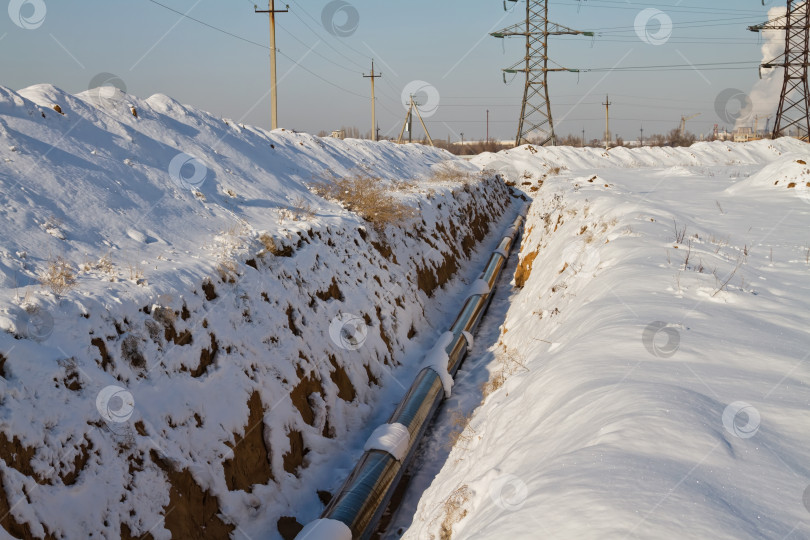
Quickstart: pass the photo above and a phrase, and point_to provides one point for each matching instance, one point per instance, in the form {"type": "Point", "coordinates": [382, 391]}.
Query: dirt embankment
{"type": "Point", "coordinates": [239, 386]}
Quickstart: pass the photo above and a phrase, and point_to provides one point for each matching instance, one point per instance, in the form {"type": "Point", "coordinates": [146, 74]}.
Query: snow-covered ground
{"type": "Point", "coordinates": [225, 336]}
{"type": "Point", "coordinates": [651, 376]}
{"type": "Point", "coordinates": [229, 339]}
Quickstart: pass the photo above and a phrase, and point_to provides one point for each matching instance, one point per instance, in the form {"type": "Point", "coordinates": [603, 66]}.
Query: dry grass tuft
{"type": "Point", "coordinates": [299, 210]}
{"type": "Point", "coordinates": [461, 434]}
{"type": "Point", "coordinates": [59, 277]}
{"type": "Point", "coordinates": [135, 271]}
{"type": "Point", "coordinates": [104, 265]}
{"type": "Point", "coordinates": [454, 511]}
{"type": "Point", "coordinates": [448, 173]}
{"type": "Point", "coordinates": [367, 196]}
{"type": "Point", "coordinates": [268, 242]}
{"type": "Point", "coordinates": [509, 362]}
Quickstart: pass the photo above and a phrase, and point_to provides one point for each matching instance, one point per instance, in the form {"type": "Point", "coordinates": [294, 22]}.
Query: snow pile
{"type": "Point", "coordinates": [663, 326]}
{"type": "Point", "coordinates": [392, 438]}
{"type": "Point", "coordinates": [527, 165]}
{"type": "Point", "coordinates": [214, 341]}
{"type": "Point", "coordinates": [479, 287]}
{"type": "Point", "coordinates": [437, 360]}
{"type": "Point", "coordinates": [790, 176]}
{"type": "Point", "coordinates": [469, 338]}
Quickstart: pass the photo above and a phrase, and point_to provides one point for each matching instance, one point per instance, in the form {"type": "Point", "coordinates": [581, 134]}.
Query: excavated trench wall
{"type": "Point", "coordinates": [237, 387]}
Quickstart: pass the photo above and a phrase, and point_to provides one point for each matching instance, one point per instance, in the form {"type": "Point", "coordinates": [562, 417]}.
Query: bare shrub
{"type": "Point", "coordinates": [367, 196]}
{"type": "Point", "coordinates": [59, 277]}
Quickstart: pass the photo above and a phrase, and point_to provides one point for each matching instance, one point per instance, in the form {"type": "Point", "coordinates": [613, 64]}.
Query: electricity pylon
{"type": "Point", "coordinates": [794, 103]}
{"type": "Point", "coordinates": [535, 112]}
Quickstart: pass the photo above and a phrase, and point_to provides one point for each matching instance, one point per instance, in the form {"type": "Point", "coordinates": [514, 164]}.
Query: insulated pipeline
{"type": "Point", "coordinates": [356, 509]}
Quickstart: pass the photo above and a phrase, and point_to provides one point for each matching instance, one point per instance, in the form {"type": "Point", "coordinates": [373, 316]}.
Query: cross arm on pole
{"type": "Point", "coordinates": [257, 10]}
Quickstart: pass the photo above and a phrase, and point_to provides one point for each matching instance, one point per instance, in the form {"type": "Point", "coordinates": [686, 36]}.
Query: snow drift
{"type": "Point", "coordinates": [651, 376]}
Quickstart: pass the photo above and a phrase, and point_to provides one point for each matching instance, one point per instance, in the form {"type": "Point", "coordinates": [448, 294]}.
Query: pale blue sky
{"type": "Point", "coordinates": [445, 43]}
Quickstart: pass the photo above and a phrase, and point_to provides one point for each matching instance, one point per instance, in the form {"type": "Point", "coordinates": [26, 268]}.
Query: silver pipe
{"type": "Point", "coordinates": [365, 494]}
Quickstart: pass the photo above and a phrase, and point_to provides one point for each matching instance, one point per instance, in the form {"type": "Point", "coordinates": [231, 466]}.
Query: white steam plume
{"type": "Point", "coordinates": [764, 97]}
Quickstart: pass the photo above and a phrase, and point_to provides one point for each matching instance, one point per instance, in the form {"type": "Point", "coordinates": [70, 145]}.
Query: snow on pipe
{"type": "Point", "coordinates": [356, 509]}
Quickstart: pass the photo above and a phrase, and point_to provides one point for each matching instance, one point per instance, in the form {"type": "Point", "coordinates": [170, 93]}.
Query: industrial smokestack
{"type": "Point", "coordinates": [764, 96]}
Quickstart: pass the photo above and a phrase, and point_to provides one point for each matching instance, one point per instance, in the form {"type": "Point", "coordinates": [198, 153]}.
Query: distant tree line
{"type": "Point", "coordinates": [472, 147]}
{"type": "Point", "coordinates": [673, 138]}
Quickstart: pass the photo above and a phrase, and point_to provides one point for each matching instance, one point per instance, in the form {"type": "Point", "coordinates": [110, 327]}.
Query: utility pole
{"type": "Point", "coordinates": [273, 90]}
{"type": "Point", "coordinates": [373, 103]}
{"type": "Point", "coordinates": [487, 125]}
{"type": "Point", "coordinates": [535, 112]}
{"type": "Point", "coordinates": [410, 121]}
{"type": "Point", "coordinates": [641, 140]}
{"type": "Point", "coordinates": [583, 137]}
{"type": "Point", "coordinates": [607, 105]}
{"type": "Point", "coordinates": [462, 140]}
{"type": "Point", "coordinates": [794, 102]}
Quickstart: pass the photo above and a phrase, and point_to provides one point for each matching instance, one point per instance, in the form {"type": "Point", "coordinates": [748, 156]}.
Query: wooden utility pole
{"type": "Point", "coordinates": [373, 102]}
{"type": "Point", "coordinates": [273, 90]}
{"type": "Point", "coordinates": [641, 140]}
{"type": "Point", "coordinates": [607, 105]}
{"type": "Point", "coordinates": [487, 125]}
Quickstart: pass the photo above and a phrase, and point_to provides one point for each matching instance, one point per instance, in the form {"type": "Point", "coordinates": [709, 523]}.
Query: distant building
{"type": "Point", "coordinates": [338, 134]}
{"type": "Point", "coordinates": [744, 134]}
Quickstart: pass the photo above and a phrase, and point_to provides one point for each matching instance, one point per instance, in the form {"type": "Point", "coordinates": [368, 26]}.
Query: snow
{"type": "Point", "coordinates": [469, 338]}
{"type": "Point", "coordinates": [649, 378]}
{"type": "Point", "coordinates": [195, 237]}
{"type": "Point", "coordinates": [325, 529]}
{"type": "Point", "coordinates": [392, 438]}
{"type": "Point", "coordinates": [654, 387]}
{"type": "Point", "coordinates": [479, 287]}
{"type": "Point", "coordinates": [437, 360]}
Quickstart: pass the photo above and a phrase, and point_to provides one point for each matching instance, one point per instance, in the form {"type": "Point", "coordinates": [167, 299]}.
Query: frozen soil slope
{"type": "Point", "coordinates": [213, 334]}
{"type": "Point", "coordinates": [651, 377]}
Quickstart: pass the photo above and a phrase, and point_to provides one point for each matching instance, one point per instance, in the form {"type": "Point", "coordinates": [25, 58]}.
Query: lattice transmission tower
{"type": "Point", "coordinates": [794, 103]}
{"type": "Point", "coordinates": [535, 113]}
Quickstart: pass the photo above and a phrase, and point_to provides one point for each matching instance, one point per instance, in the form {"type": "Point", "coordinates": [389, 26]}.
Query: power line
{"type": "Point", "coordinates": [212, 27]}
{"type": "Point", "coordinates": [296, 63]}
{"type": "Point", "coordinates": [318, 35]}
{"type": "Point", "coordinates": [622, 4]}
{"type": "Point", "coordinates": [341, 41]}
